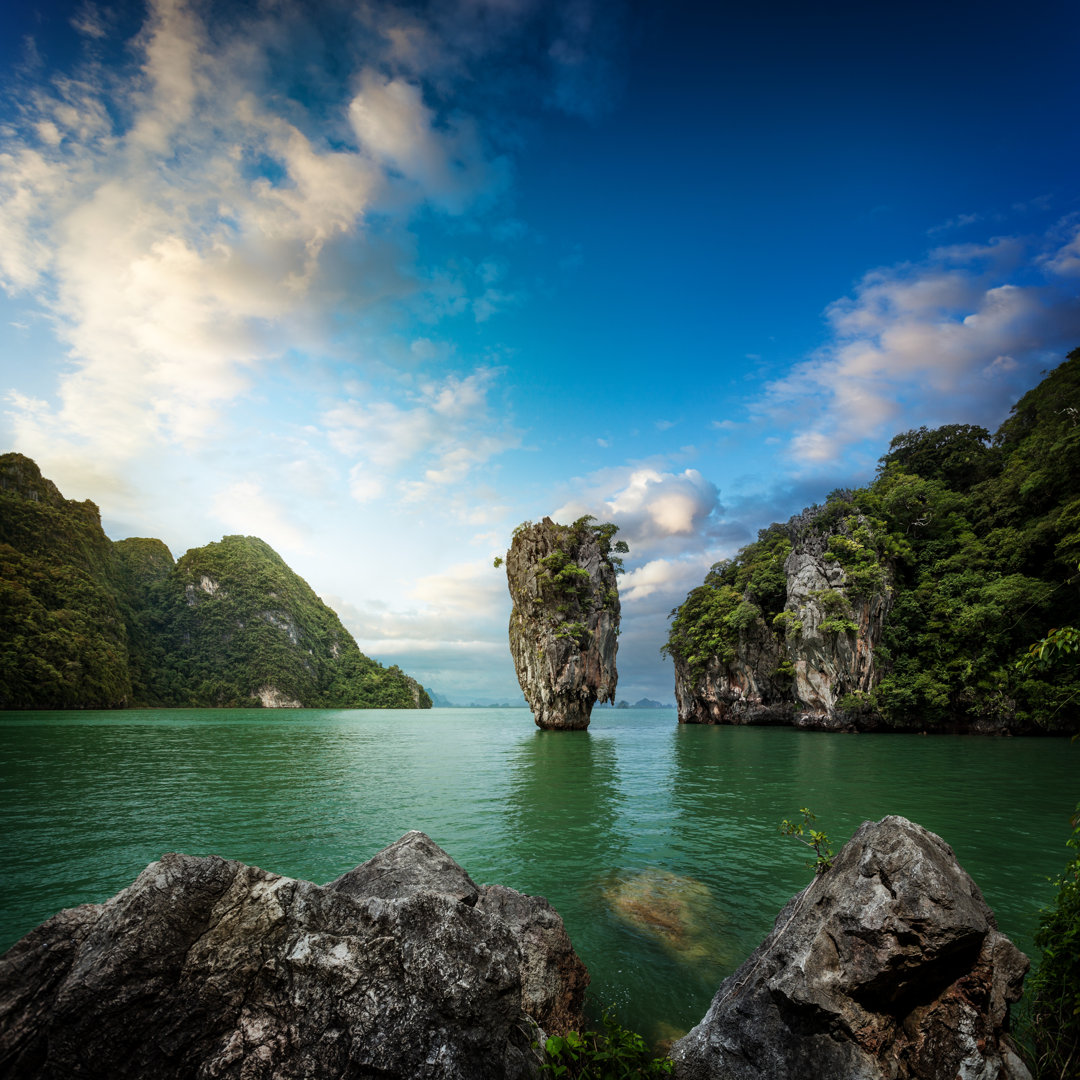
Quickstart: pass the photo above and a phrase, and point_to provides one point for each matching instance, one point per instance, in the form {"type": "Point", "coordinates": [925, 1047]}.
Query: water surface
{"type": "Point", "coordinates": [656, 842]}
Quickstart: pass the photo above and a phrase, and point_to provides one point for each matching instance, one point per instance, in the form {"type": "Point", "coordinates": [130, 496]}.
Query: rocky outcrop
{"type": "Point", "coordinates": [204, 967]}
{"type": "Point", "coordinates": [799, 667]}
{"type": "Point", "coordinates": [889, 966]}
{"type": "Point", "coordinates": [564, 625]}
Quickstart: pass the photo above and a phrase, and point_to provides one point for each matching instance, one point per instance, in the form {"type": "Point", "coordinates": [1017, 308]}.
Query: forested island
{"type": "Point", "coordinates": [95, 623]}
{"type": "Point", "coordinates": [911, 603]}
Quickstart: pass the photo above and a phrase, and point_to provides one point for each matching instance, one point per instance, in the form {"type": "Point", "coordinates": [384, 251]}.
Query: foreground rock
{"type": "Point", "coordinates": [889, 966]}
{"type": "Point", "coordinates": [564, 627]}
{"type": "Point", "coordinates": [203, 967]}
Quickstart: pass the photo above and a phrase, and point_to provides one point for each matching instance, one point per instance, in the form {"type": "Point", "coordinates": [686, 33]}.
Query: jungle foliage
{"type": "Point", "coordinates": [566, 588]}
{"type": "Point", "coordinates": [978, 538]}
{"type": "Point", "coordinates": [1051, 1018]}
{"type": "Point", "coordinates": [89, 623]}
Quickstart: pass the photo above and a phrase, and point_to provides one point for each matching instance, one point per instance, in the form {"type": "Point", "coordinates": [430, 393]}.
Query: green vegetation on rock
{"type": "Point", "coordinates": [89, 623]}
{"type": "Point", "coordinates": [973, 538]}
{"type": "Point", "coordinates": [1052, 1005]}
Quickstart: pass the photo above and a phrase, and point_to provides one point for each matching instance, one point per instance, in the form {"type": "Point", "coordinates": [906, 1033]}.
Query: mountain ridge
{"type": "Point", "coordinates": [96, 623]}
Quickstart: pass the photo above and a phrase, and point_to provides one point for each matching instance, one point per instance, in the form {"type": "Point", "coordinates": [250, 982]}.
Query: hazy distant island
{"type": "Point", "coordinates": [91, 623]}
{"type": "Point", "coordinates": [912, 603]}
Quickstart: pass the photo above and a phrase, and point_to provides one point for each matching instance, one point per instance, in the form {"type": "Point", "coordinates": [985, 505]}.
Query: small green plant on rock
{"type": "Point", "coordinates": [1052, 995]}
{"type": "Point", "coordinates": [818, 841]}
{"type": "Point", "coordinates": [612, 1054]}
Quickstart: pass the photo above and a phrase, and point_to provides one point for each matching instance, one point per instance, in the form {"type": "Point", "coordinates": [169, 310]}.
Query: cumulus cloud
{"type": "Point", "coordinates": [650, 507]}
{"type": "Point", "coordinates": [1065, 260]}
{"type": "Point", "coordinates": [966, 325]}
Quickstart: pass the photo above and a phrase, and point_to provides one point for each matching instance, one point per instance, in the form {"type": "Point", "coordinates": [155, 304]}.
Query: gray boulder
{"type": "Point", "coordinates": [210, 968]}
{"type": "Point", "coordinates": [888, 966]}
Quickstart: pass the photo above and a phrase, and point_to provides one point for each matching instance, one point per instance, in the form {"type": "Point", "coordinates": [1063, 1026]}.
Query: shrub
{"type": "Point", "coordinates": [612, 1054]}
{"type": "Point", "coordinates": [1053, 1026]}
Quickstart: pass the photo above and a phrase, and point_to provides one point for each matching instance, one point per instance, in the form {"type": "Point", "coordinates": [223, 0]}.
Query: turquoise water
{"type": "Point", "coordinates": [637, 818]}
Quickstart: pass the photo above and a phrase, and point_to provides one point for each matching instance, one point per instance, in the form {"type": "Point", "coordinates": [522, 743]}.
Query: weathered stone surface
{"type": "Point", "coordinates": [799, 675]}
{"type": "Point", "coordinates": [413, 864]}
{"type": "Point", "coordinates": [210, 968]}
{"type": "Point", "coordinates": [887, 967]}
{"type": "Point", "coordinates": [564, 624]}
{"type": "Point", "coordinates": [553, 979]}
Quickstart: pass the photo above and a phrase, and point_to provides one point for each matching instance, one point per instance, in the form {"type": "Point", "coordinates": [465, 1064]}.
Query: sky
{"type": "Point", "coordinates": [378, 281]}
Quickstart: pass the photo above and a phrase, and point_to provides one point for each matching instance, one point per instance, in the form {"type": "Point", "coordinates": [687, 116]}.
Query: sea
{"type": "Point", "coordinates": [659, 844]}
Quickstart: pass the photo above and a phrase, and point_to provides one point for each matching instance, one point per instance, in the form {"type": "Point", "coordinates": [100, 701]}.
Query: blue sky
{"type": "Point", "coordinates": [377, 282]}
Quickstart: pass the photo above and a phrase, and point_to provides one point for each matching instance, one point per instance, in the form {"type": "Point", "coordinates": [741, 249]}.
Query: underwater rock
{"type": "Point", "coordinates": [564, 625]}
{"type": "Point", "coordinates": [678, 912]}
{"type": "Point", "coordinates": [206, 967]}
{"type": "Point", "coordinates": [889, 966]}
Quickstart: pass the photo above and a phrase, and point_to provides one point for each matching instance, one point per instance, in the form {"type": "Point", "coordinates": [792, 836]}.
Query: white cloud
{"type": "Point", "coordinates": [183, 230]}
{"type": "Point", "coordinates": [669, 578]}
{"type": "Point", "coordinates": [649, 506]}
{"type": "Point", "coordinates": [914, 340]}
{"type": "Point", "coordinates": [1065, 261]}
{"type": "Point", "coordinates": [443, 431]}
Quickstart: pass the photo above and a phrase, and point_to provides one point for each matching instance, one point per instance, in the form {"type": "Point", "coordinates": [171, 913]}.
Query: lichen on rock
{"type": "Point", "coordinates": [564, 625]}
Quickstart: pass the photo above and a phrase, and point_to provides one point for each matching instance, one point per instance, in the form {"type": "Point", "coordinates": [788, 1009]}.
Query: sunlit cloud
{"type": "Point", "coordinates": [183, 226]}
{"type": "Point", "coordinates": [651, 507]}
{"type": "Point", "coordinates": [915, 343]}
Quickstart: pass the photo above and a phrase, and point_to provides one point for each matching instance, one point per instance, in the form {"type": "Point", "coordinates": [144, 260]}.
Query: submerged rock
{"type": "Point", "coordinates": [564, 625]}
{"type": "Point", "coordinates": [205, 967]}
{"type": "Point", "coordinates": [678, 912]}
{"type": "Point", "coordinates": [889, 966]}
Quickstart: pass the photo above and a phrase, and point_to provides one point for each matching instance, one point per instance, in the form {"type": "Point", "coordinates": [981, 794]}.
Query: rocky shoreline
{"type": "Point", "coordinates": [887, 966]}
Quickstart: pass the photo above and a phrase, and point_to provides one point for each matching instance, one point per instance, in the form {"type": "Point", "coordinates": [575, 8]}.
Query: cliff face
{"type": "Point", "coordinates": [800, 664]}
{"type": "Point", "coordinates": [89, 623]}
{"type": "Point", "coordinates": [246, 628]}
{"type": "Point", "coordinates": [565, 621]}
{"type": "Point", "coordinates": [63, 636]}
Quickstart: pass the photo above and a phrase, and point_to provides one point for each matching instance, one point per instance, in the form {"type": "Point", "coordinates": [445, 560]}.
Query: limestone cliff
{"type": "Point", "coordinates": [564, 625]}
{"type": "Point", "coordinates": [796, 643]}
{"type": "Point", "coordinates": [92, 623]}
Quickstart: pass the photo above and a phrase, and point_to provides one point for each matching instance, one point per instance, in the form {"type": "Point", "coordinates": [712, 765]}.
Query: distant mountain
{"type": "Point", "coordinates": [90, 623]}
{"type": "Point", "coordinates": [441, 702]}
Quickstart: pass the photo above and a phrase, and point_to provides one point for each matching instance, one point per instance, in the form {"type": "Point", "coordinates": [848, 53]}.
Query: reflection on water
{"type": "Point", "coordinates": [562, 816]}
{"type": "Point", "coordinates": [658, 844]}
